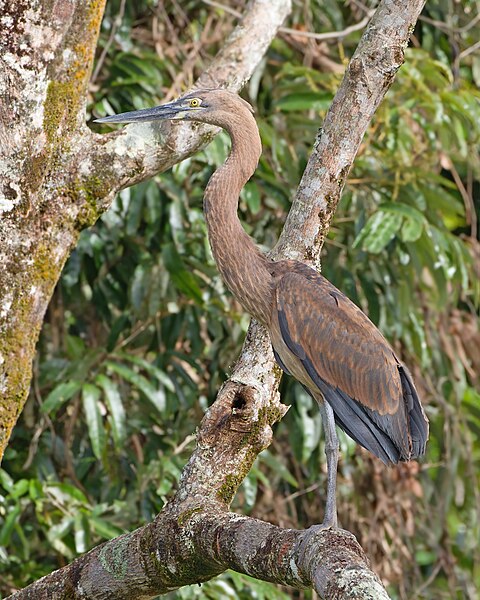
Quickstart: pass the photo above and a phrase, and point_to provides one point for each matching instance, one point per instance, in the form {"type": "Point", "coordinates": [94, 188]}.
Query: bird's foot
{"type": "Point", "coordinates": [309, 535]}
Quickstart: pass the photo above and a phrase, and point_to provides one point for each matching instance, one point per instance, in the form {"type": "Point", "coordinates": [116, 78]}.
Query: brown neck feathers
{"type": "Point", "coordinates": [242, 266]}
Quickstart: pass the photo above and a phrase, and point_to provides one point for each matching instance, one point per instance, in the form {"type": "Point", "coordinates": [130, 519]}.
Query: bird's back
{"type": "Point", "coordinates": [326, 342]}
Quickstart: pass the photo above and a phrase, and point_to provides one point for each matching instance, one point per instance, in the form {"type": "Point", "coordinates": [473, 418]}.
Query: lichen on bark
{"type": "Point", "coordinates": [46, 80]}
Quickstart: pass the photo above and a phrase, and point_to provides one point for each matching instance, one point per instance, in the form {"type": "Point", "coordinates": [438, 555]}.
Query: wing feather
{"type": "Point", "coordinates": [346, 358]}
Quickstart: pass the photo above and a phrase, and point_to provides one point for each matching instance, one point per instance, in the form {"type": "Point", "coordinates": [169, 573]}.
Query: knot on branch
{"type": "Point", "coordinates": [238, 411]}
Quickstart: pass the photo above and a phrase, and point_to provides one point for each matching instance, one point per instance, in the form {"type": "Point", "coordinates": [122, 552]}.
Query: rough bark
{"type": "Point", "coordinates": [195, 544]}
{"type": "Point", "coordinates": [57, 176]}
{"type": "Point", "coordinates": [370, 73]}
{"type": "Point", "coordinates": [195, 537]}
{"type": "Point", "coordinates": [46, 53]}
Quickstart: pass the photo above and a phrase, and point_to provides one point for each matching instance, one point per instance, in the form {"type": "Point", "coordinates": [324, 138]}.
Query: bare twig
{"type": "Point", "coordinates": [115, 25]}
{"type": "Point", "coordinates": [329, 35]}
{"type": "Point", "coordinates": [447, 28]}
{"type": "Point", "coordinates": [470, 212]}
{"type": "Point", "coordinates": [469, 50]}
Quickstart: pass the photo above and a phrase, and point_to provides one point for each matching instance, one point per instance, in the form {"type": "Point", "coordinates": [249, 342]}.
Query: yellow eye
{"type": "Point", "coordinates": [194, 102]}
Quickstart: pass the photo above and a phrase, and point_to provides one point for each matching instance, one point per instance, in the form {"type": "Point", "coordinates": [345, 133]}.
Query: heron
{"type": "Point", "coordinates": [318, 335]}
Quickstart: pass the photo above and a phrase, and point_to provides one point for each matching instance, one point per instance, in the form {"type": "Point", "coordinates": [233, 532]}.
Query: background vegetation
{"type": "Point", "coordinates": [141, 331]}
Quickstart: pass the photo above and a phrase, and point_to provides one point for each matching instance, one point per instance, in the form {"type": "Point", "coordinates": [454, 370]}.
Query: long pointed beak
{"type": "Point", "coordinates": [165, 111]}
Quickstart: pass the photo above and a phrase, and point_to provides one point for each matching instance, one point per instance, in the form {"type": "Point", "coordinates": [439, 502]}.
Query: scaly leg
{"type": "Point", "coordinates": [331, 451]}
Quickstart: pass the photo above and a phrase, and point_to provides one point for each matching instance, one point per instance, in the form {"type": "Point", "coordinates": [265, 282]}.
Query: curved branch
{"type": "Point", "coordinates": [139, 151]}
{"type": "Point", "coordinates": [194, 544]}
{"type": "Point", "coordinates": [369, 75]}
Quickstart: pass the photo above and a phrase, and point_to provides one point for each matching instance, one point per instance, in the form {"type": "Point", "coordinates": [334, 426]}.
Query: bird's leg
{"type": "Point", "coordinates": [331, 451]}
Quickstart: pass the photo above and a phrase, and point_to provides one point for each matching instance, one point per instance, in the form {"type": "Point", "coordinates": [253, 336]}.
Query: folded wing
{"type": "Point", "coordinates": [346, 358]}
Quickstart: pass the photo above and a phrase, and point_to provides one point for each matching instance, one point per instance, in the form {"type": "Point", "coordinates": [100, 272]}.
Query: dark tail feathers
{"type": "Point", "coordinates": [417, 418]}
{"type": "Point", "coordinates": [382, 435]}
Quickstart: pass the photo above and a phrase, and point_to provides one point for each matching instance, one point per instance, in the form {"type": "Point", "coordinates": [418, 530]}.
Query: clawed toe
{"type": "Point", "coordinates": [309, 535]}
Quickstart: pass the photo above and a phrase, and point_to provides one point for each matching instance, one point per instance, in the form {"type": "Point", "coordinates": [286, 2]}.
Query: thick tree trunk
{"type": "Point", "coordinates": [46, 55]}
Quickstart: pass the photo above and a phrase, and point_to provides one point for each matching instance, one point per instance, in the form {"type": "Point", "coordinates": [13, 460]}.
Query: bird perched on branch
{"type": "Point", "coordinates": [318, 335]}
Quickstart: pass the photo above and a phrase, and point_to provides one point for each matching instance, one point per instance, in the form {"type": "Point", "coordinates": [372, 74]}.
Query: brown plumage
{"type": "Point", "coordinates": [318, 335]}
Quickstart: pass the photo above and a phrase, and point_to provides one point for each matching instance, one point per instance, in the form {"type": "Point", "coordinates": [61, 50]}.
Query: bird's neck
{"type": "Point", "coordinates": [241, 264]}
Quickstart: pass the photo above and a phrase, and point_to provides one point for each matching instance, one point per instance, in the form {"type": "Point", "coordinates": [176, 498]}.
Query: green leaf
{"type": "Point", "coordinates": [20, 488]}
{"type": "Point", "coordinates": [9, 524]}
{"type": "Point", "coordinates": [96, 430]}
{"type": "Point", "coordinates": [6, 481]}
{"type": "Point", "coordinates": [404, 210]}
{"type": "Point", "coordinates": [278, 467]}
{"type": "Point", "coordinates": [425, 557]}
{"type": "Point", "coordinates": [80, 533]}
{"type": "Point", "coordinates": [379, 230]}
{"type": "Point", "coordinates": [251, 195]}
{"type": "Point", "coordinates": [305, 101]}
{"type": "Point", "coordinates": [69, 492]}
{"type": "Point", "coordinates": [139, 287]}
{"type": "Point", "coordinates": [150, 368]}
{"type": "Point", "coordinates": [260, 590]}
{"type": "Point", "coordinates": [104, 528]}
{"type": "Point", "coordinates": [411, 230]}
{"type": "Point", "coordinates": [57, 532]}
{"type": "Point", "coordinates": [115, 407]}
{"type": "Point", "coordinates": [60, 394]}
{"type": "Point", "coordinates": [35, 489]}
{"type": "Point", "coordinates": [310, 426]}
{"type": "Point", "coordinates": [155, 395]}
{"type": "Point", "coordinates": [183, 279]}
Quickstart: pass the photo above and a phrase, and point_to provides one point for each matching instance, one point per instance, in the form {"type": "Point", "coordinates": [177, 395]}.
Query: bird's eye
{"type": "Point", "coordinates": [194, 102]}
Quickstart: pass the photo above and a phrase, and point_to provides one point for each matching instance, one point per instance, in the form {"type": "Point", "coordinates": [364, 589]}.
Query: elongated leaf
{"type": "Point", "coordinates": [379, 230]}
{"type": "Point", "coordinates": [96, 430]}
{"type": "Point", "coordinates": [155, 395]}
{"type": "Point", "coordinates": [104, 528]}
{"type": "Point", "coordinates": [278, 467]}
{"type": "Point", "coordinates": [80, 533]}
{"type": "Point", "coordinates": [183, 279]}
{"type": "Point", "coordinates": [404, 210]}
{"type": "Point", "coordinates": [20, 488]}
{"type": "Point", "coordinates": [59, 395]}
{"type": "Point", "coordinates": [68, 492]}
{"type": "Point", "coordinates": [152, 369]}
{"type": "Point", "coordinates": [6, 481]}
{"type": "Point", "coordinates": [9, 524]}
{"type": "Point", "coordinates": [56, 534]}
{"type": "Point", "coordinates": [304, 101]}
{"type": "Point", "coordinates": [139, 287]}
{"type": "Point", "coordinates": [115, 407]}
{"type": "Point", "coordinates": [251, 195]}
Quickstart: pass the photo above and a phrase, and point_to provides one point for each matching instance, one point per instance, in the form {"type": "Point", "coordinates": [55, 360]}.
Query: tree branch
{"type": "Point", "coordinates": [46, 53]}
{"type": "Point", "coordinates": [139, 151]}
{"type": "Point", "coordinates": [369, 75]}
{"type": "Point", "coordinates": [194, 541]}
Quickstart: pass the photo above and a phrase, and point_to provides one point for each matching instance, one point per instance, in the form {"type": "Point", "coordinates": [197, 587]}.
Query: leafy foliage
{"type": "Point", "coordinates": [141, 331]}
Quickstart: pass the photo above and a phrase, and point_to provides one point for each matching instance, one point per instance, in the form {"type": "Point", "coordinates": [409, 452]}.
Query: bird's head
{"type": "Point", "coordinates": [215, 106]}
